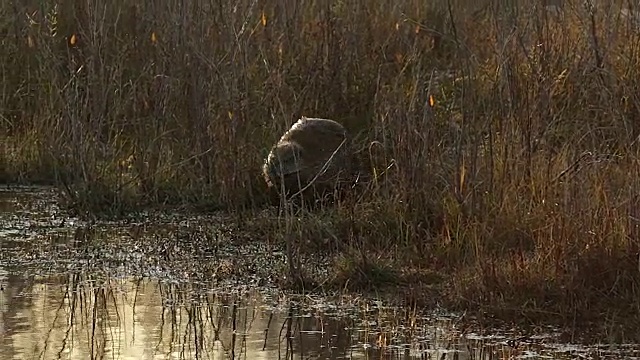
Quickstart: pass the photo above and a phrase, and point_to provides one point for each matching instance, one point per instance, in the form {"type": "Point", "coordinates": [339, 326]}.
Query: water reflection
{"type": "Point", "coordinates": [81, 316]}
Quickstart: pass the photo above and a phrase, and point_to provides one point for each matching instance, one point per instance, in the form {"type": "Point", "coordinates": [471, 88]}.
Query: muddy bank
{"type": "Point", "coordinates": [176, 247]}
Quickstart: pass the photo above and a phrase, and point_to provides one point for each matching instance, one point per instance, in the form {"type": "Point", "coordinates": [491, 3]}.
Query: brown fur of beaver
{"type": "Point", "coordinates": [313, 157]}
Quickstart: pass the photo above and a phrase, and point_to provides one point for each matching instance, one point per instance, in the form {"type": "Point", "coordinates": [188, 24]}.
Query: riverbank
{"type": "Point", "coordinates": [167, 283]}
{"type": "Point", "coordinates": [228, 253]}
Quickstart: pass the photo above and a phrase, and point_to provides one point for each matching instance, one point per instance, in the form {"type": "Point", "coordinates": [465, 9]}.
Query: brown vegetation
{"type": "Point", "coordinates": [520, 184]}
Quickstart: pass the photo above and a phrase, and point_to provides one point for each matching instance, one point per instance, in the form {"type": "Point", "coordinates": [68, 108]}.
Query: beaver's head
{"type": "Point", "coordinates": [286, 158]}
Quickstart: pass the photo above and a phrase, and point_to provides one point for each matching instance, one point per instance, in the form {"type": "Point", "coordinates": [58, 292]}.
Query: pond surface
{"type": "Point", "coordinates": [188, 288]}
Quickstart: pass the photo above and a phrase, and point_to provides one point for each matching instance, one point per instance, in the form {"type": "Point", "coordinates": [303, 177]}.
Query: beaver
{"type": "Point", "coordinates": [312, 158]}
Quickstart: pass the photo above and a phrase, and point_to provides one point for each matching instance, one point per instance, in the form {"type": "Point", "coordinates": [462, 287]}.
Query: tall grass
{"type": "Point", "coordinates": [521, 180]}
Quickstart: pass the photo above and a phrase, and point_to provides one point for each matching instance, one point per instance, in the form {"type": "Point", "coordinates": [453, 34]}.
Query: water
{"type": "Point", "coordinates": [187, 288]}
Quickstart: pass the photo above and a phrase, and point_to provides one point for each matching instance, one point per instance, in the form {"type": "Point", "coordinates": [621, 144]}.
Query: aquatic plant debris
{"type": "Point", "coordinates": [187, 259]}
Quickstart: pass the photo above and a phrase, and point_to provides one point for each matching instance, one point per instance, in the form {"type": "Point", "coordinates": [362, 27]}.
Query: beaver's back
{"type": "Point", "coordinates": [313, 151]}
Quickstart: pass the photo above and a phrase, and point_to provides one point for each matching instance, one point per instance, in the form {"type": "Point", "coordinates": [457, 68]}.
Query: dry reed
{"type": "Point", "coordinates": [520, 180]}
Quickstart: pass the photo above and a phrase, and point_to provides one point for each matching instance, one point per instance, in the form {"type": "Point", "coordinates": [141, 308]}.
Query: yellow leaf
{"type": "Point", "coordinates": [463, 173]}
{"type": "Point", "coordinates": [263, 19]}
{"type": "Point", "coordinates": [73, 40]}
{"type": "Point", "coordinates": [432, 101]}
{"type": "Point", "coordinates": [230, 114]}
{"type": "Point", "coordinates": [154, 38]}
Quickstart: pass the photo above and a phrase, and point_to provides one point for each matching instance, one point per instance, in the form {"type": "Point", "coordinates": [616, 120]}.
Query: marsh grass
{"type": "Point", "coordinates": [520, 182]}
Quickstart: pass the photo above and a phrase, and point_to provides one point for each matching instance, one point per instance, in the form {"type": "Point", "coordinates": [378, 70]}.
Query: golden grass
{"type": "Point", "coordinates": [520, 183]}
